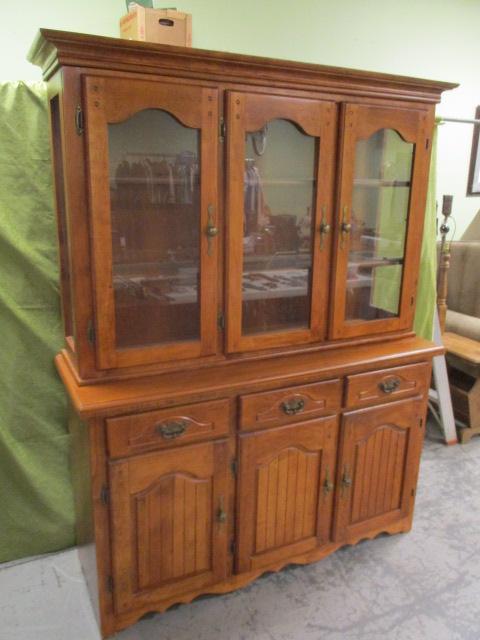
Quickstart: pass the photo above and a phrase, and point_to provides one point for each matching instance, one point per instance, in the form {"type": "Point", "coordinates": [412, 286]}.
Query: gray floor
{"type": "Point", "coordinates": [422, 585]}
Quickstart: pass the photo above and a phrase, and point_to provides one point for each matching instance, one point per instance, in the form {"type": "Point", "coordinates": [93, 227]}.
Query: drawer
{"type": "Point", "coordinates": [133, 434]}
{"type": "Point", "coordinates": [387, 384]}
{"type": "Point", "coordinates": [282, 406]}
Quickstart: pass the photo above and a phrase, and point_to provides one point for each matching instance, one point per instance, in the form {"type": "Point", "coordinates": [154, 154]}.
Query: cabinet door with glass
{"type": "Point", "coordinates": [280, 159]}
{"type": "Point", "coordinates": [381, 206]}
{"type": "Point", "coordinates": [152, 160]}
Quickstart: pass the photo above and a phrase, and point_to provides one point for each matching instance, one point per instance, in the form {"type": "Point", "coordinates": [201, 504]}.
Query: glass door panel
{"type": "Point", "coordinates": [379, 214]}
{"type": "Point", "coordinates": [155, 211]}
{"type": "Point", "coordinates": [153, 181]}
{"type": "Point", "coordinates": [279, 204]}
{"type": "Point", "coordinates": [384, 164]}
{"type": "Point", "coordinates": [280, 157]}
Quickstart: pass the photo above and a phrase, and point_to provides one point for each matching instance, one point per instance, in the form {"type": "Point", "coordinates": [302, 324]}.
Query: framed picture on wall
{"type": "Point", "coordinates": [473, 187]}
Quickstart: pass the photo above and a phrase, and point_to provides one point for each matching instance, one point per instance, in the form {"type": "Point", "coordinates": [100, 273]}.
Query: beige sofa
{"type": "Point", "coordinates": [463, 298]}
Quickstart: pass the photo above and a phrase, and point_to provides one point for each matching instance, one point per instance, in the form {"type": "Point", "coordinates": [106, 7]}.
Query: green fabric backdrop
{"type": "Point", "coordinates": [35, 491]}
{"type": "Point", "coordinates": [427, 282]}
{"type": "Point", "coordinates": [36, 513]}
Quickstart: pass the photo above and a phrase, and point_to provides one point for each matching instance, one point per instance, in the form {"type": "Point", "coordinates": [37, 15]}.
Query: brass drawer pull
{"type": "Point", "coordinates": [171, 430]}
{"type": "Point", "coordinates": [389, 386]}
{"type": "Point", "coordinates": [291, 407]}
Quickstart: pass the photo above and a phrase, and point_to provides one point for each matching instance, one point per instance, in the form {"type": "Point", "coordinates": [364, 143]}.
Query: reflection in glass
{"type": "Point", "coordinates": [155, 210]}
{"type": "Point", "coordinates": [380, 201]}
{"type": "Point", "coordinates": [279, 195]}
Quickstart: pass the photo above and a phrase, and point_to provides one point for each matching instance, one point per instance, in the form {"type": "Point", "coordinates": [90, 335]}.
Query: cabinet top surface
{"type": "Point", "coordinates": [52, 50]}
{"type": "Point", "coordinates": [141, 394]}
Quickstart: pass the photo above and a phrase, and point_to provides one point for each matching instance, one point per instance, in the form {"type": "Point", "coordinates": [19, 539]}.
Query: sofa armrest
{"type": "Point", "coordinates": [464, 325]}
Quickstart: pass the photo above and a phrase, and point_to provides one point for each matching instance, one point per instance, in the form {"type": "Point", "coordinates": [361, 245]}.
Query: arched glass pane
{"type": "Point", "coordinates": [155, 210]}
{"type": "Point", "coordinates": [279, 200]}
{"type": "Point", "coordinates": [380, 202]}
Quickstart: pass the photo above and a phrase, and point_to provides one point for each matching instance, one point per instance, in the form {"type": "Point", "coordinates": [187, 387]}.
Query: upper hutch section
{"type": "Point", "coordinates": [214, 205]}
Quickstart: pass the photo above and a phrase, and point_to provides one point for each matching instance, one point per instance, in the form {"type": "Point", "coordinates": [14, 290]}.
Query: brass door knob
{"type": "Point", "coordinates": [328, 486]}
{"type": "Point", "coordinates": [346, 481]}
{"type": "Point", "coordinates": [221, 513]}
{"type": "Point", "coordinates": [212, 231]}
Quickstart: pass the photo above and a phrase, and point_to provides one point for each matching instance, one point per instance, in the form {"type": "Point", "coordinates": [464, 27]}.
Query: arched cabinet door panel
{"type": "Point", "coordinates": [378, 463]}
{"type": "Point", "coordinates": [381, 206]}
{"type": "Point", "coordinates": [170, 523]}
{"type": "Point", "coordinates": [280, 164]}
{"type": "Point", "coordinates": [285, 491]}
{"type": "Point", "coordinates": [152, 176]}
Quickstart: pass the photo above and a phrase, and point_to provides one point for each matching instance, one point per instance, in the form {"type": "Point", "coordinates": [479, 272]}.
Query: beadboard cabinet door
{"type": "Point", "coordinates": [170, 521]}
{"type": "Point", "coordinates": [285, 491]}
{"type": "Point", "coordinates": [379, 455]}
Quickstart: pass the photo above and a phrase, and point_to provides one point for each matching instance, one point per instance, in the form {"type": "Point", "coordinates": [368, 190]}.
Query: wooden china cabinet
{"type": "Point", "coordinates": [239, 245]}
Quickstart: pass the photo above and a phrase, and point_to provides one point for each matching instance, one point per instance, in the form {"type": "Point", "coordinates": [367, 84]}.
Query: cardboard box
{"type": "Point", "coordinates": [165, 26]}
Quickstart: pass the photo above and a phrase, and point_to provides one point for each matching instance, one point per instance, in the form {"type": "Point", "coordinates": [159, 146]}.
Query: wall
{"type": "Point", "coordinates": [424, 38]}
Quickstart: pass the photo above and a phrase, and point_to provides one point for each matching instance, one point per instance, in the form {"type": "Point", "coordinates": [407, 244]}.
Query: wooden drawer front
{"type": "Point", "coordinates": [141, 432]}
{"type": "Point", "coordinates": [364, 389]}
{"type": "Point", "coordinates": [273, 408]}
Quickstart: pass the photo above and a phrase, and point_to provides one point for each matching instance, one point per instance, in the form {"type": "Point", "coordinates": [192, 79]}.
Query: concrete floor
{"type": "Point", "coordinates": [419, 586]}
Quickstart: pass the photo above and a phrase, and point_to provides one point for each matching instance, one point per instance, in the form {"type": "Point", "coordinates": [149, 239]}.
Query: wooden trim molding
{"type": "Point", "coordinates": [156, 391]}
{"type": "Point", "coordinates": [53, 49]}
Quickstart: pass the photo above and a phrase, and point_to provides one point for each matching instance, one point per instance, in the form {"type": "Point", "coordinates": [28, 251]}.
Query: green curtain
{"type": "Point", "coordinates": [427, 282]}
{"type": "Point", "coordinates": [35, 489]}
{"type": "Point", "coordinates": [388, 279]}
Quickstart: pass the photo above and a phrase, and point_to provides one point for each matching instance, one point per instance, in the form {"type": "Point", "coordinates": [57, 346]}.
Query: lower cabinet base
{"type": "Point", "coordinates": [110, 622]}
{"type": "Point", "coordinates": [203, 498]}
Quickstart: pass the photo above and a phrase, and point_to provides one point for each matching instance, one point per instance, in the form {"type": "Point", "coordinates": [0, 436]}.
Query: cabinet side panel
{"type": "Point", "coordinates": [62, 226]}
{"type": "Point", "coordinates": [92, 524]}
{"type": "Point", "coordinates": [76, 215]}
{"type": "Point", "coordinates": [82, 487]}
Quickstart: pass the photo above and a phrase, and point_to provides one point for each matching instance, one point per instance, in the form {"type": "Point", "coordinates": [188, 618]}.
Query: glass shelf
{"type": "Point", "coordinates": [379, 182]}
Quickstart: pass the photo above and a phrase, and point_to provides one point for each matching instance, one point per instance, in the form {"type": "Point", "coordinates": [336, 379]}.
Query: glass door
{"type": "Point", "coordinates": [384, 169]}
{"type": "Point", "coordinates": [280, 158]}
{"type": "Point", "coordinates": [152, 155]}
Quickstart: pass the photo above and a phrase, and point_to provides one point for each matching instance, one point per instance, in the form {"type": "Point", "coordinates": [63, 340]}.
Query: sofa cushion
{"type": "Point", "coordinates": [464, 280]}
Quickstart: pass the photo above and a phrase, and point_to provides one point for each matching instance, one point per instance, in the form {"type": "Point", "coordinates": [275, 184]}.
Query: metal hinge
{"type": "Point", "coordinates": [234, 466]}
{"type": "Point", "coordinates": [90, 332]}
{"type": "Point", "coordinates": [109, 584]}
{"type": "Point", "coordinates": [232, 546]}
{"type": "Point", "coordinates": [79, 120]}
{"type": "Point", "coordinates": [222, 130]}
{"type": "Point", "coordinates": [421, 423]}
{"type": "Point", "coordinates": [427, 143]}
{"type": "Point", "coordinates": [104, 494]}
{"type": "Point", "coordinates": [221, 321]}
{"type": "Point", "coordinates": [412, 301]}
{"type": "Point", "coordinates": [413, 493]}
